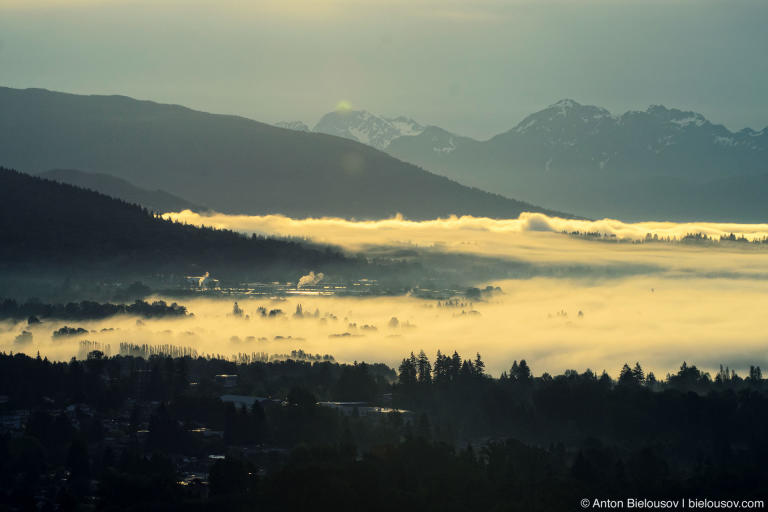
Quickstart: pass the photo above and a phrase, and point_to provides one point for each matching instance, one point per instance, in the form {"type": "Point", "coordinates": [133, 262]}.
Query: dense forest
{"type": "Point", "coordinates": [128, 433]}
{"type": "Point", "coordinates": [49, 225]}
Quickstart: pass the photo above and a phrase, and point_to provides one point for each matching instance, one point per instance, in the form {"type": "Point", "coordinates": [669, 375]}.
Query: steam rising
{"type": "Point", "coordinates": [702, 304]}
{"type": "Point", "coordinates": [310, 279]}
{"type": "Point", "coordinates": [655, 320]}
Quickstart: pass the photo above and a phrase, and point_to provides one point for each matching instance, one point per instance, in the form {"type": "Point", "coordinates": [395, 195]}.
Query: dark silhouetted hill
{"type": "Point", "coordinates": [50, 225]}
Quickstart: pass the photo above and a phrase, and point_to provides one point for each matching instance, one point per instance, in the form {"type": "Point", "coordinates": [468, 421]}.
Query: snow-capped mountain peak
{"type": "Point", "coordinates": [679, 118]}
{"type": "Point", "coordinates": [565, 104]}
{"type": "Point", "coordinates": [370, 129]}
{"type": "Point", "coordinates": [575, 116]}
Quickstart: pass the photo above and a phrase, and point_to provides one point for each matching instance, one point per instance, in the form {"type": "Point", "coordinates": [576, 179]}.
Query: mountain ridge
{"type": "Point", "coordinates": [659, 163]}
{"type": "Point", "coordinates": [229, 163]}
{"type": "Point", "coordinates": [156, 200]}
{"type": "Point", "coordinates": [587, 160]}
{"type": "Point", "coordinates": [402, 143]}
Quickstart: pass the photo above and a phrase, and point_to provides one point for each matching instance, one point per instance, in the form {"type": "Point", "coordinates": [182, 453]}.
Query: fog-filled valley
{"type": "Point", "coordinates": [425, 255]}
{"type": "Point", "coordinates": [564, 294]}
{"type": "Point", "coordinates": [532, 238]}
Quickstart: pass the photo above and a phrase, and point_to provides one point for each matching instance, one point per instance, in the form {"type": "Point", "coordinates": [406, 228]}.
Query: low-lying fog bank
{"type": "Point", "coordinates": [664, 303]}
{"type": "Point", "coordinates": [555, 324]}
{"type": "Point", "coordinates": [533, 238]}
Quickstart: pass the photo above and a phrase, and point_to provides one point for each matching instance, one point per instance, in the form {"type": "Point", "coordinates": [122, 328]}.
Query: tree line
{"type": "Point", "coordinates": [467, 441]}
{"type": "Point", "coordinates": [34, 310]}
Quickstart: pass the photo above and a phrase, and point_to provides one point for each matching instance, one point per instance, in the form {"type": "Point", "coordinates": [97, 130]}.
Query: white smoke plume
{"type": "Point", "coordinates": [310, 279]}
{"type": "Point", "coordinates": [704, 304]}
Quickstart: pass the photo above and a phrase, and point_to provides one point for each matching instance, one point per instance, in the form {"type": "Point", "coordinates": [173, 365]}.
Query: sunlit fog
{"type": "Point", "coordinates": [687, 301]}
{"type": "Point", "coordinates": [534, 238]}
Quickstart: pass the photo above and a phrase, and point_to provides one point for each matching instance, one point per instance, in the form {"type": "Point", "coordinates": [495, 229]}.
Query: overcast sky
{"type": "Point", "coordinates": [476, 67]}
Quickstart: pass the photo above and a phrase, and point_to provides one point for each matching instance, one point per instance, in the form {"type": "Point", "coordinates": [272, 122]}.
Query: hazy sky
{"type": "Point", "coordinates": [473, 66]}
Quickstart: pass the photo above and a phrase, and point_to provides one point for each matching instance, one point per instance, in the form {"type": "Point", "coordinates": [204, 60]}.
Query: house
{"type": "Point", "coordinates": [226, 380]}
{"type": "Point", "coordinates": [360, 408]}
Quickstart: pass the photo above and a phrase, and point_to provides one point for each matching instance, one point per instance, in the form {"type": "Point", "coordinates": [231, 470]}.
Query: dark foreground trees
{"type": "Point", "coordinates": [162, 433]}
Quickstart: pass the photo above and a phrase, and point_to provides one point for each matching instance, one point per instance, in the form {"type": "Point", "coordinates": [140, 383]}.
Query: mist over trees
{"type": "Point", "coordinates": [206, 313]}
{"type": "Point", "coordinates": [34, 310]}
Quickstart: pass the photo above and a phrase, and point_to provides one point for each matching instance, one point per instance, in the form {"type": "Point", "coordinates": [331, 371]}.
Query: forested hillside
{"type": "Point", "coordinates": [53, 225]}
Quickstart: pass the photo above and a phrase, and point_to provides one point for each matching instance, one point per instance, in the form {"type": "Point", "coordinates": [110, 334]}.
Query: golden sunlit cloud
{"type": "Point", "coordinates": [532, 237]}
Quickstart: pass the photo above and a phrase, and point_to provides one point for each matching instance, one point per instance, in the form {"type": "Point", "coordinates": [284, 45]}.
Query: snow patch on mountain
{"type": "Point", "coordinates": [293, 125]}
{"type": "Point", "coordinates": [367, 128]}
{"type": "Point", "coordinates": [565, 105]}
{"type": "Point", "coordinates": [725, 141]}
{"type": "Point", "coordinates": [450, 147]}
{"type": "Point", "coordinates": [407, 127]}
{"type": "Point", "coordinates": [696, 120]}
{"type": "Point", "coordinates": [565, 111]}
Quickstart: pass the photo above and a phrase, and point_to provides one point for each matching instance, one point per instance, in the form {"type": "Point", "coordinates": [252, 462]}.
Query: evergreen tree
{"type": "Point", "coordinates": [467, 368]}
{"type": "Point", "coordinates": [479, 366]}
{"type": "Point", "coordinates": [626, 376]}
{"type": "Point", "coordinates": [514, 372]}
{"type": "Point", "coordinates": [424, 369]}
{"type": "Point", "coordinates": [454, 367]}
{"type": "Point", "coordinates": [441, 368]}
{"type": "Point", "coordinates": [522, 373]}
{"type": "Point", "coordinates": [638, 374]}
{"type": "Point", "coordinates": [408, 371]}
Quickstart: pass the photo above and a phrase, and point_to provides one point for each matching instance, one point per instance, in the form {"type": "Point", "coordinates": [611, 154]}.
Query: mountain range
{"type": "Point", "coordinates": [227, 163]}
{"type": "Point", "coordinates": [361, 126]}
{"type": "Point", "coordinates": [660, 163]}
